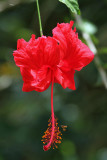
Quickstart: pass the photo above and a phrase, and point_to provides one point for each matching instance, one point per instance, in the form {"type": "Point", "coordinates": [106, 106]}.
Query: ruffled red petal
{"type": "Point", "coordinates": [74, 54]}
{"type": "Point", "coordinates": [37, 59]}
{"type": "Point", "coordinates": [66, 79]}
{"type": "Point", "coordinates": [38, 81]}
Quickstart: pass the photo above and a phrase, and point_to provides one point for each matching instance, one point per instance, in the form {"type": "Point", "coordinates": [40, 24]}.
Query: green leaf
{"type": "Point", "coordinates": [72, 5]}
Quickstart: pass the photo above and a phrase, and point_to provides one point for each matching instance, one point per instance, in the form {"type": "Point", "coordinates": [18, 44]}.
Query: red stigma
{"type": "Point", "coordinates": [45, 148]}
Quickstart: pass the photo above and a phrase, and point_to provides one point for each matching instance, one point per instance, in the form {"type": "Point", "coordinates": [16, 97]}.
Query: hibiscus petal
{"type": "Point", "coordinates": [37, 59]}
{"type": "Point", "coordinates": [20, 58]}
{"type": "Point", "coordinates": [21, 44]}
{"type": "Point", "coordinates": [49, 51]}
{"type": "Point", "coordinates": [74, 54]}
{"type": "Point", "coordinates": [36, 80]}
{"type": "Point", "coordinates": [81, 56]}
{"type": "Point", "coordinates": [66, 79]}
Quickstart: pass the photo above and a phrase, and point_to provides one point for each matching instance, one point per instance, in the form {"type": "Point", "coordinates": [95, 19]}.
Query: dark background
{"type": "Point", "coordinates": [24, 116]}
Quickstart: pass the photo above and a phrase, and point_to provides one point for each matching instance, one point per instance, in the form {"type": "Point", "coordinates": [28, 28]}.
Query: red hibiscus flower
{"type": "Point", "coordinates": [52, 59]}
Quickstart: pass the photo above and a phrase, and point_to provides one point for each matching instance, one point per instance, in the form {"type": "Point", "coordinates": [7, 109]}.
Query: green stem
{"type": "Point", "coordinates": [41, 32]}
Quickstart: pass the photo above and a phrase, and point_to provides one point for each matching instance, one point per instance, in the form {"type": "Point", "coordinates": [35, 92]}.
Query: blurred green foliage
{"type": "Point", "coordinates": [24, 116]}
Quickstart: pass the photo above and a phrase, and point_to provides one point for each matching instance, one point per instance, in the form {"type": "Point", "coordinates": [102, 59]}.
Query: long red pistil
{"type": "Point", "coordinates": [52, 134]}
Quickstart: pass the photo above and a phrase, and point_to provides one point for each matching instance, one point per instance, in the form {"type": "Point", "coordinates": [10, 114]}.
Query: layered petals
{"type": "Point", "coordinates": [37, 60]}
{"type": "Point", "coordinates": [36, 80]}
{"type": "Point", "coordinates": [74, 54]}
{"type": "Point", "coordinates": [60, 55]}
{"type": "Point", "coordinates": [65, 78]}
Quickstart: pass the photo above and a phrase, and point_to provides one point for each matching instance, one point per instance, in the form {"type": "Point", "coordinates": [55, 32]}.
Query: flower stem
{"type": "Point", "coordinates": [40, 24]}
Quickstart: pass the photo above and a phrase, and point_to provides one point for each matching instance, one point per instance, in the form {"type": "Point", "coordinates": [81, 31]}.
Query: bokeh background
{"type": "Point", "coordinates": [24, 116]}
